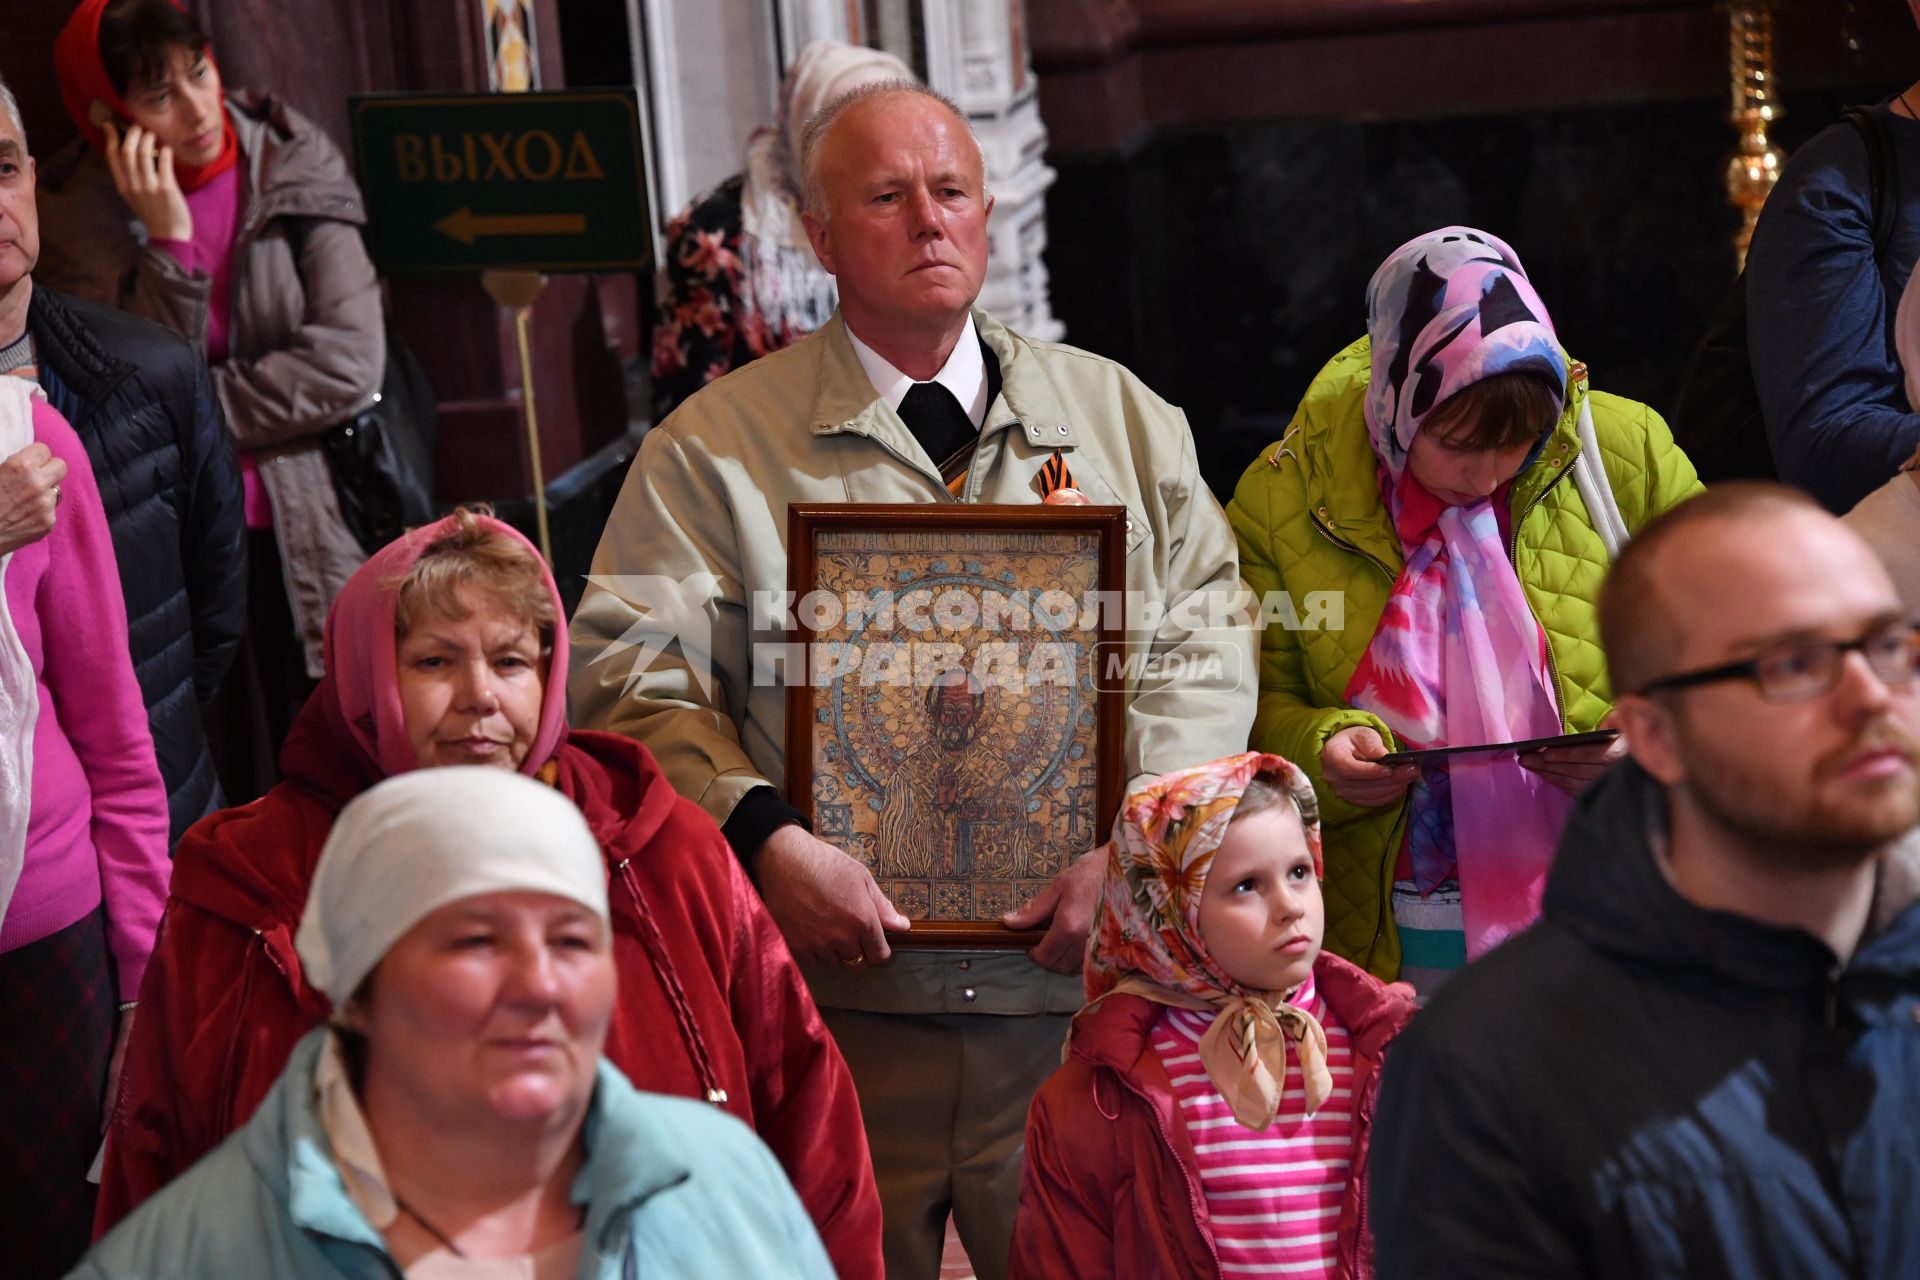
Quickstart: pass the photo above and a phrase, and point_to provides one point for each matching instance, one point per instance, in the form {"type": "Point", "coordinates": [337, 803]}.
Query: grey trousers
{"type": "Point", "coordinates": [945, 1096]}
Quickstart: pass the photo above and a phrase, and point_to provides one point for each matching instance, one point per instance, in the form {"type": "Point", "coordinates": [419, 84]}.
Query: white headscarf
{"type": "Point", "coordinates": [19, 687]}
{"type": "Point", "coordinates": [788, 285]}
{"type": "Point", "coordinates": [421, 840]}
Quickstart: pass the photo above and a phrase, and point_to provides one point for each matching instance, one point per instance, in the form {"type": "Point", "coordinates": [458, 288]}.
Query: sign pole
{"type": "Point", "coordinates": [519, 290]}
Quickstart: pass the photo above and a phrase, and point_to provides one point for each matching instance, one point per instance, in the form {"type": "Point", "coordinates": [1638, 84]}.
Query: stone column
{"type": "Point", "coordinates": [976, 54]}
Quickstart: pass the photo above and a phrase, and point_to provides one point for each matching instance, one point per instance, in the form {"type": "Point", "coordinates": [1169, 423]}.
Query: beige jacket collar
{"type": "Point", "coordinates": [845, 401]}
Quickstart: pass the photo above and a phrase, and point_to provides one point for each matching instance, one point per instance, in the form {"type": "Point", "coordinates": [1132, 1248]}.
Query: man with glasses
{"type": "Point", "coordinates": [1705, 1060]}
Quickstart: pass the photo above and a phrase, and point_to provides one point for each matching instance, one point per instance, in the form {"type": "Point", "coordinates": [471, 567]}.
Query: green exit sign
{"type": "Point", "coordinates": [512, 181]}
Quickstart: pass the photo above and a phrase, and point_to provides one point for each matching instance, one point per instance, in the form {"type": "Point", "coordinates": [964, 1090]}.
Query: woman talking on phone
{"type": "Point", "coordinates": [232, 219]}
{"type": "Point", "coordinates": [1454, 483]}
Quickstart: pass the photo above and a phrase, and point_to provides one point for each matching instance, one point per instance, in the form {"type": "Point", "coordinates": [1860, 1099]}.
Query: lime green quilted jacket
{"type": "Point", "coordinates": [1309, 518]}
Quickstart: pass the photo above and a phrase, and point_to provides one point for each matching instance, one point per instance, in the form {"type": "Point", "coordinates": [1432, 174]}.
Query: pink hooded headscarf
{"type": "Point", "coordinates": [352, 732]}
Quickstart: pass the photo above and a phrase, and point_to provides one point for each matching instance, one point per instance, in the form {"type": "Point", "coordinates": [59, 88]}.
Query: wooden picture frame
{"type": "Point", "coordinates": [964, 754]}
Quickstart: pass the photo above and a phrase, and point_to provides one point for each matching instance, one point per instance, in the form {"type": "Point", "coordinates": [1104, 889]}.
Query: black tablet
{"type": "Point", "coordinates": [1531, 744]}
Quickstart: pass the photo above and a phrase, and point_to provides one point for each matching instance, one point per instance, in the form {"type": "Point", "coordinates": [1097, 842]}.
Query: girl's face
{"type": "Point", "coordinates": [1458, 476]}
{"type": "Point", "coordinates": [182, 108]}
{"type": "Point", "coordinates": [1261, 915]}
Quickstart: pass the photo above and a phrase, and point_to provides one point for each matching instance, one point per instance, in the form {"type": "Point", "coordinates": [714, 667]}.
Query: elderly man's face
{"type": "Point", "coordinates": [19, 218]}
{"type": "Point", "coordinates": [1832, 776]}
{"type": "Point", "coordinates": [905, 227]}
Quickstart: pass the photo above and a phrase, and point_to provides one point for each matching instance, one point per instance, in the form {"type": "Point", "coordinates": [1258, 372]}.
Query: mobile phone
{"type": "Point", "coordinates": [1434, 755]}
{"type": "Point", "coordinates": [103, 115]}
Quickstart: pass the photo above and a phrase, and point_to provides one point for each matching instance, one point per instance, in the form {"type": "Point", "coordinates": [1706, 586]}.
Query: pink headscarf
{"type": "Point", "coordinates": [1146, 931]}
{"type": "Point", "coordinates": [356, 710]}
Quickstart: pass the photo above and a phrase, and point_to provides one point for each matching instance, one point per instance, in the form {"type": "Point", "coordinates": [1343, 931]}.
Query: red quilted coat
{"type": "Point", "coordinates": [710, 1002]}
{"type": "Point", "coordinates": [1111, 1187]}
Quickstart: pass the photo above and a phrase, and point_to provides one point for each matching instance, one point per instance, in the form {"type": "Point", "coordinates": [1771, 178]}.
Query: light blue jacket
{"type": "Point", "coordinates": [672, 1188]}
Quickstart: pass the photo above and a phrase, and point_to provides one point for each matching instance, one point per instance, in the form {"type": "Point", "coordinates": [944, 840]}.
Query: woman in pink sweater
{"type": "Point", "coordinates": [86, 897]}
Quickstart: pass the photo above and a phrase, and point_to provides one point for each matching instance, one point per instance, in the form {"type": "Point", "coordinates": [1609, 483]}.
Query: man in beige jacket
{"type": "Point", "coordinates": [946, 1049]}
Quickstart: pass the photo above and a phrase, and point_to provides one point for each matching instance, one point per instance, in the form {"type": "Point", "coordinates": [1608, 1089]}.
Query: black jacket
{"type": "Point", "coordinates": [140, 398]}
{"type": "Point", "coordinates": [1639, 1087]}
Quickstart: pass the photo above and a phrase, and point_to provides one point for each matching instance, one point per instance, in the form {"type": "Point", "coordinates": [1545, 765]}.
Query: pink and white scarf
{"type": "Point", "coordinates": [1458, 657]}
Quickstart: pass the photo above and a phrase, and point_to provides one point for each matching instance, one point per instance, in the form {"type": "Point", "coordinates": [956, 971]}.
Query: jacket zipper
{"type": "Point", "coordinates": [1513, 558]}
{"type": "Point", "coordinates": [1830, 1026]}
{"type": "Point", "coordinates": [1319, 523]}
{"type": "Point", "coordinates": [1399, 823]}
{"type": "Point", "coordinates": [1363, 1125]}
{"type": "Point", "coordinates": [944, 494]}
{"type": "Point", "coordinates": [659, 956]}
{"type": "Point", "coordinates": [224, 1115]}
{"type": "Point", "coordinates": [1193, 1193]}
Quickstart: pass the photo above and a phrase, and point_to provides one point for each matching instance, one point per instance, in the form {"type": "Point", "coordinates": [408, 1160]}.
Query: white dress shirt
{"type": "Point", "coordinates": [964, 374]}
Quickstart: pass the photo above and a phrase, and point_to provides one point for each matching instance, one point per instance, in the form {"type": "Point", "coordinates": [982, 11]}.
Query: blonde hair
{"type": "Point", "coordinates": [1270, 790]}
{"type": "Point", "coordinates": [471, 556]}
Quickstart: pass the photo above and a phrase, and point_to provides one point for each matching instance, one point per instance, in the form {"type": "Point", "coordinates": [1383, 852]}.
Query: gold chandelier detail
{"type": "Point", "coordinates": [1755, 164]}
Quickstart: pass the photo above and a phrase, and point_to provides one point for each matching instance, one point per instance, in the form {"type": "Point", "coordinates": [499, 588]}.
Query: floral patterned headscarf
{"type": "Point", "coordinates": [1146, 931]}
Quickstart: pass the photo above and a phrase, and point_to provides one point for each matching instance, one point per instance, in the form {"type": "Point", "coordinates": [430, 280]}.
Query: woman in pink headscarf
{"type": "Point", "coordinates": [447, 648]}
{"type": "Point", "coordinates": [1451, 481]}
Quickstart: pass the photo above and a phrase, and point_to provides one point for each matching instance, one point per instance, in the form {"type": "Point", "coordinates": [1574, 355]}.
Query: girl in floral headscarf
{"type": "Point", "coordinates": [1222, 1075]}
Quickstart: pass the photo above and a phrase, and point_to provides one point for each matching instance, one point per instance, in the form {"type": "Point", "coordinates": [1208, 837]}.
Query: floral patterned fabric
{"type": "Point", "coordinates": [1146, 931]}
{"type": "Point", "coordinates": [709, 321]}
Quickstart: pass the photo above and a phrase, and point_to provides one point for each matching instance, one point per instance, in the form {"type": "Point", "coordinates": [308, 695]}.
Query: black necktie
{"type": "Point", "coordinates": [937, 421]}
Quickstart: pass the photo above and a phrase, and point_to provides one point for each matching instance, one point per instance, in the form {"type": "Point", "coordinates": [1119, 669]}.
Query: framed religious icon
{"type": "Point", "coordinates": [948, 722]}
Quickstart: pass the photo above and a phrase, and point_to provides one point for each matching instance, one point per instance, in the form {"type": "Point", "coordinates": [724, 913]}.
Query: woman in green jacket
{"type": "Point", "coordinates": [1458, 497]}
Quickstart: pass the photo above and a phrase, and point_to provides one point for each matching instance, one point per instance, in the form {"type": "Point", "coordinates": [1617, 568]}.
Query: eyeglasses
{"type": "Point", "coordinates": [1801, 669]}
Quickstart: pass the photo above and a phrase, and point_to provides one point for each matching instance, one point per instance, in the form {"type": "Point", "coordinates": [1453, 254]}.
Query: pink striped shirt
{"type": "Point", "coordinates": [1273, 1197]}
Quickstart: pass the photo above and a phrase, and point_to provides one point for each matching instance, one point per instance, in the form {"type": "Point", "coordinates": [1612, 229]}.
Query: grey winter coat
{"type": "Point", "coordinates": [306, 344]}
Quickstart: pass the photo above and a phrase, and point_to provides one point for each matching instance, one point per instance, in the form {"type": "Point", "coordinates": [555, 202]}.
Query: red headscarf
{"type": "Point", "coordinates": [352, 732]}
{"type": "Point", "coordinates": [84, 81]}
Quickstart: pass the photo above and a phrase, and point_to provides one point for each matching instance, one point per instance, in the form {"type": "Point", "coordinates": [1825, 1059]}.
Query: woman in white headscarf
{"type": "Point", "coordinates": [738, 278]}
{"type": "Point", "coordinates": [457, 1118]}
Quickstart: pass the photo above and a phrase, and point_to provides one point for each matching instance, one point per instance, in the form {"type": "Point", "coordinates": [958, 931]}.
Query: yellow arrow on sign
{"type": "Point", "coordinates": [466, 226]}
